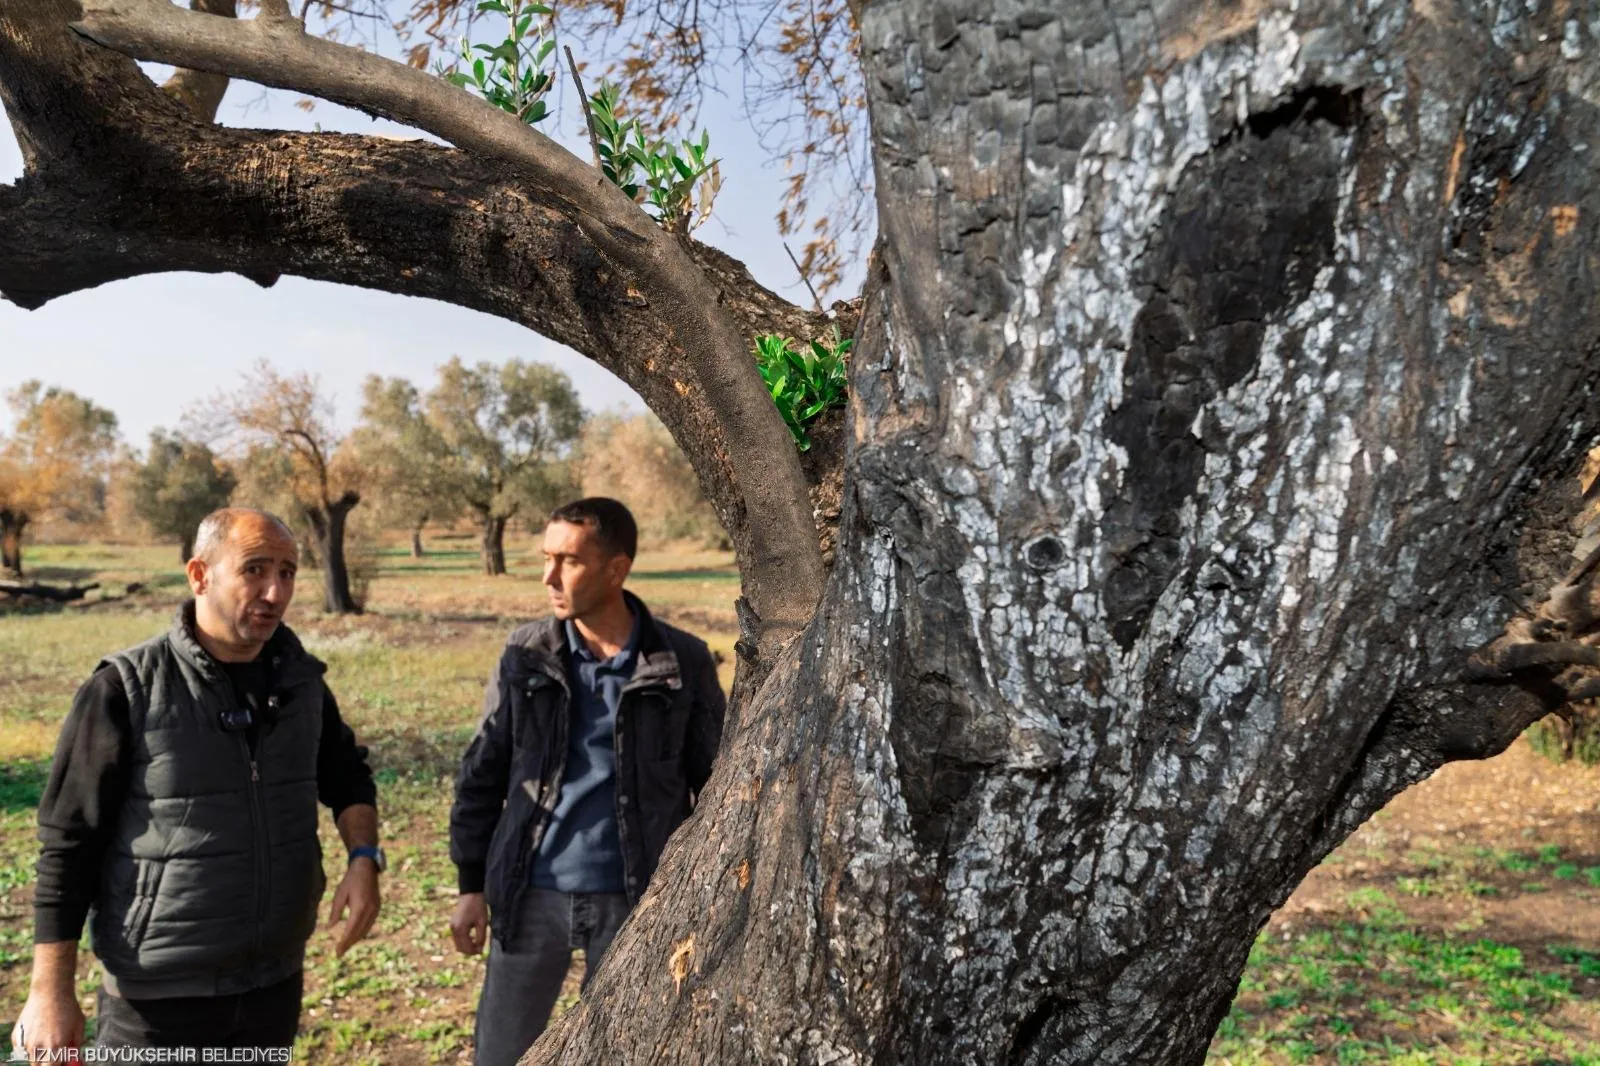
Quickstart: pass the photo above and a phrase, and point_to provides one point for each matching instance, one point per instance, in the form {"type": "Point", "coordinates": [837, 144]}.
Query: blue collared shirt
{"type": "Point", "coordinates": [581, 850]}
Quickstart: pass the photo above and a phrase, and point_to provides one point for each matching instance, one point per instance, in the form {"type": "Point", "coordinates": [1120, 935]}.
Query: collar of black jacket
{"type": "Point", "coordinates": [656, 665]}
{"type": "Point", "coordinates": [288, 659]}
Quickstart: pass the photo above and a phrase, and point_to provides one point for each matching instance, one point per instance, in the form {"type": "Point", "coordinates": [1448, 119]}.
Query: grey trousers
{"type": "Point", "coordinates": [524, 978]}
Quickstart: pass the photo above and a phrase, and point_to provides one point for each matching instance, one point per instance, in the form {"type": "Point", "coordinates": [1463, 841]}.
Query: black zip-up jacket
{"type": "Point", "coordinates": [669, 725]}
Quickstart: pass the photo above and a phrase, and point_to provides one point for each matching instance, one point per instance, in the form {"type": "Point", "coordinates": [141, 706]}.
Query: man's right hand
{"type": "Point", "coordinates": [50, 1021]}
{"type": "Point", "coordinates": [469, 923]}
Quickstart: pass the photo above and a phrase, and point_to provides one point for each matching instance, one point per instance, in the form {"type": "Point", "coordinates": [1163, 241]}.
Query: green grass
{"type": "Point", "coordinates": [1375, 987]}
{"type": "Point", "coordinates": [409, 678]}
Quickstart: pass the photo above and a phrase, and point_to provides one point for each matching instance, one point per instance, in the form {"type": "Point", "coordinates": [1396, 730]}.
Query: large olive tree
{"type": "Point", "coordinates": [1218, 402]}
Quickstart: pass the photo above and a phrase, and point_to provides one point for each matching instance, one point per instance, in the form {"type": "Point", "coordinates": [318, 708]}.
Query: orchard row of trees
{"type": "Point", "coordinates": [485, 443]}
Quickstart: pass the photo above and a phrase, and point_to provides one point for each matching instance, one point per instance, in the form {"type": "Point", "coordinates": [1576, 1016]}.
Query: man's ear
{"type": "Point", "coordinates": [199, 574]}
{"type": "Point", "coordinates": [621, 566]}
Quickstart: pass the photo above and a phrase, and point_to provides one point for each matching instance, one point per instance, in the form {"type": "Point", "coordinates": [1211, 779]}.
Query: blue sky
{"type": "Point", "coordinates": [149, 348]}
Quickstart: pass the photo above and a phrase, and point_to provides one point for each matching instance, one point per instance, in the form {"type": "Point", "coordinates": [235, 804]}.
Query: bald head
{"type": "Point", "coordinates": [217, 528]}
{"type": "Point", "coordinates": [242, 575]}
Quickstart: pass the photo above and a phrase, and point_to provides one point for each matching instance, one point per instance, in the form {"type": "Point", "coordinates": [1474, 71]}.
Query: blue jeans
{"type": "Point", "coordinates": [525, 978]}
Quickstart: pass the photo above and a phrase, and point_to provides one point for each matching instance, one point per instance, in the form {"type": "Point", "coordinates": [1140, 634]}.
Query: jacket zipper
{"type": "Point", "coordinates": [258, 840]}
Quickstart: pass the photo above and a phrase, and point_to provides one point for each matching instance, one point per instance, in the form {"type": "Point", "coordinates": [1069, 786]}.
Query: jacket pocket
{"type": "Point", "coordinates": [508, 849]}
{"type": "Point", "coordinates": [147, 886]}
{"type": "Point", "coordinates": [663, 803]}
{"type": "Point", "coordinates": [660, 722]}
{"type": "Point", "coordinates": [530, 700]}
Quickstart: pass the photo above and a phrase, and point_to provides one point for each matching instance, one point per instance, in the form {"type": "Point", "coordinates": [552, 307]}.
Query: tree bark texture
{"type": "Point", "coordinates": [1220, 387]}
{"type": "Point", "coordinates": [199, 91]}
{"type": "Point", "coordinates": [1228, 386]}
{"type": "Point", "coordinates": [12, 524]}
{"type": "Point", "coordinates": [417, 550]}
{"type": "Point", "coordinates": [494, 544]}
{"type": "Point", "coordinates": [328, 528]}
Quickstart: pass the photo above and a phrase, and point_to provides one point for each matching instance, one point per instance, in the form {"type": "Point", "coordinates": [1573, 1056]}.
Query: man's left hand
{"type": "Point", "coordinates": [357, 893]}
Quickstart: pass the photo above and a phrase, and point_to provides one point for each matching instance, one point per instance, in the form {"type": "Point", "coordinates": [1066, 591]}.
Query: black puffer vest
{"type": "Point", "coordinates": [213, 873]}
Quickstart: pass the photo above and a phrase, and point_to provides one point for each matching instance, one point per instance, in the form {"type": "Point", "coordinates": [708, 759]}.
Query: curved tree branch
{"type": "Point", "coordinates": [516, 226]}
{"type": "Point", "coordinates": [198, 90]}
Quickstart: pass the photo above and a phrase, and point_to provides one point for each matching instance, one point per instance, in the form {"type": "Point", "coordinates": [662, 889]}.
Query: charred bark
{"type": "Point", "coordinates": [327, 523]}
{"type": "Point", "coordinates": [1228, 388]}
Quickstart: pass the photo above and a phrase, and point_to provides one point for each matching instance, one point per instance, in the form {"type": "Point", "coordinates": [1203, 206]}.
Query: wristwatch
{"type": "Point", "coordinates": [373, 852]}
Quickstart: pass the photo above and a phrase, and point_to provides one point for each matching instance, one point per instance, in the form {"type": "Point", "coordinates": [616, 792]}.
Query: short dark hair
{"type": "Point", "coordinates": [614, 528]}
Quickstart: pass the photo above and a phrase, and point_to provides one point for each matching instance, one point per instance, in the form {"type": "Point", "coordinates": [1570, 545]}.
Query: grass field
{"type": "Point", "coordinates": [1461, 926]}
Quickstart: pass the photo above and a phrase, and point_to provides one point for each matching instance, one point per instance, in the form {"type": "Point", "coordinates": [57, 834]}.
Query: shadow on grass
{"type": "Point", "coordinates": [699, 573]}
{"type": "Point", "coordinates": [22, 783]}
{"type": "Point", "coordinates": [61, 575]}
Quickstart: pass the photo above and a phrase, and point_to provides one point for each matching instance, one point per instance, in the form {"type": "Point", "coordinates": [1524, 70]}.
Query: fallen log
{"type": "Point", "coordinates": [54, 593]}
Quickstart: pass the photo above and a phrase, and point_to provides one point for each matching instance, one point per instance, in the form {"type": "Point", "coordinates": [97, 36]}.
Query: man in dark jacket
{"type": "Point", "coordinates": [598, 732]}
{"type": "Point", "coordinates": [181, 813]}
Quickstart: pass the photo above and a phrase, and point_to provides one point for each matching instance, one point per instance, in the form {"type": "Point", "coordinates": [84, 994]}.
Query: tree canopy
{"type": "Point", "coordinates": [54, 461]}
{"type": "Point", "coordinates": [177, 485]}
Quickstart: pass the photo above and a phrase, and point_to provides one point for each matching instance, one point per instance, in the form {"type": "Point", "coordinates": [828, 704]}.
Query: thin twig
{"type": "Point", "coordinates": [583, 98]}
{"type": "Point", "coordinates": [803, 276]}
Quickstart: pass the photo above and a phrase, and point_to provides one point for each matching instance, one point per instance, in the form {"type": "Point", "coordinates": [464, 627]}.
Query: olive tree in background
{"type": "Point", "coordinates": [54, 462]}
{"type": "Point", "coordinates": [178, 484]}
{"type": "Point", "coordinates": [280, 431]}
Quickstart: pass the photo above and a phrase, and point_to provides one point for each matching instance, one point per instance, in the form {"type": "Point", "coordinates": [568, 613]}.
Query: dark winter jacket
{"type": "Point", "coordinates": [213, 872]}
{"type": "Point", "coordinates": [669, 725]}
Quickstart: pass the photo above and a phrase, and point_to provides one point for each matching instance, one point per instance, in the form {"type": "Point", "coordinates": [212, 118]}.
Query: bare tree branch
{"type": "Point", "coordinates": [198, 90]}
{"type": "Point", "coordinates": [583, 100]}
{"type": "Point", "coordinates": [610, 257]}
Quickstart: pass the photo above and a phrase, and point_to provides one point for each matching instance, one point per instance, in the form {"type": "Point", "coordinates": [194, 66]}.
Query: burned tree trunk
{"type": "Point", "coordinates": [328, 529]}
{"type": "Point", "coordinates": [1227, 387]}
{"type": "Point", "coordinates": [12, 523]}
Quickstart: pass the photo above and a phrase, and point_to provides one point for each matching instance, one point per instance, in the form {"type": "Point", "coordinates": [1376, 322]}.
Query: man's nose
{"type": "Point", "coordinates": [551, 577]}
{"type": "Point", "coordinates": [277, 591]}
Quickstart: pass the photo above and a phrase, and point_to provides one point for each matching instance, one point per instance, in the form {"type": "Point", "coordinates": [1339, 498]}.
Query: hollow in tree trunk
{"type": "Point", "coordinates": [1228, 375]}
{"type": "Point", "coordinates": [494, 544]}
{"type": "Point", "coordinates": [12, 523]}
{"type": "Point", "coordinates": [328, 529]}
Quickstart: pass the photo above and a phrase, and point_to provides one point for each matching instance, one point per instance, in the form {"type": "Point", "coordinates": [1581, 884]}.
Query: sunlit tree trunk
{"type": "Point", "coordinates": [493, 544]}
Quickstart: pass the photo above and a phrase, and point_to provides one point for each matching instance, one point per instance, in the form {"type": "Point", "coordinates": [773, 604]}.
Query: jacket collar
{"type": "Point", "coordinates": [655, 662]}
{"type": "Point", "coordinates": [287, 658]}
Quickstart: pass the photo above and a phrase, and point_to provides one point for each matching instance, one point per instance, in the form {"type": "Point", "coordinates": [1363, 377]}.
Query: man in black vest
{"type": "Point", "coordinates": [599, 728]}
{"type": "Point", "coordinates": [181, 813]}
